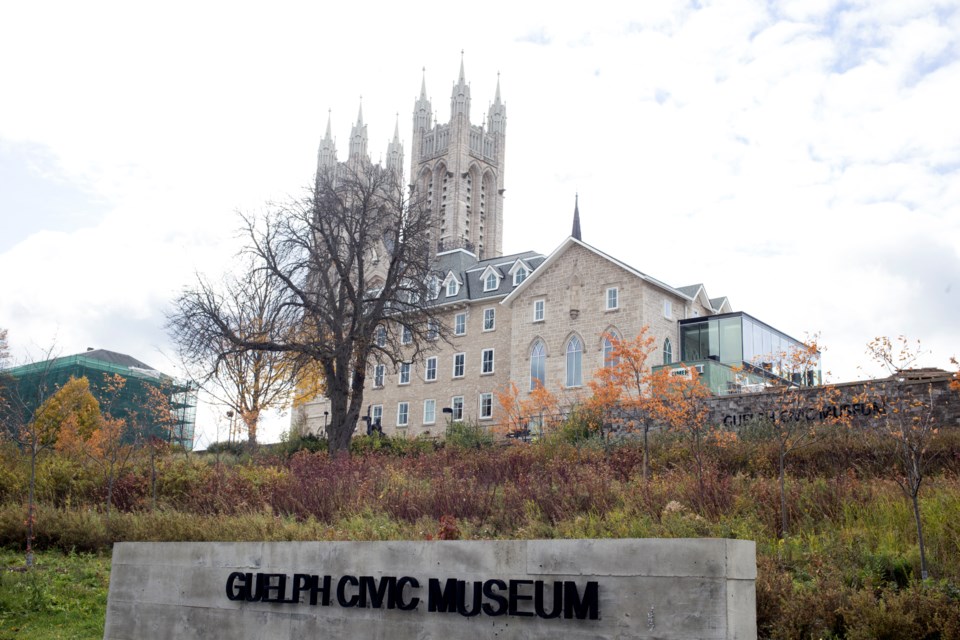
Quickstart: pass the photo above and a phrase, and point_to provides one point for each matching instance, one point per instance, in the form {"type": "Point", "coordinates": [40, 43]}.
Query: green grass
{"type": "Point", "coordinates": [63, 597]}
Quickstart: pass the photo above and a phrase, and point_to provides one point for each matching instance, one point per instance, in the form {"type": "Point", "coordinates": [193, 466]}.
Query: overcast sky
{"type": "Point", "coordinates": [801, 158]}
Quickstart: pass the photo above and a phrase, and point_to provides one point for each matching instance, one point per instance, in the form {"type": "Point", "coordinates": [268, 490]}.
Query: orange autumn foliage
{"type": "Point", "coordinates": [540, 410]}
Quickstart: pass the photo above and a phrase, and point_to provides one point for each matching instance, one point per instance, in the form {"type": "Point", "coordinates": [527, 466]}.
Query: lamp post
{"type": "Point", "coordinates": [325, 414]}
{"type": "Point", "coordinates": [448, 411]}
{"type": "Point", "coordinates": [230, 432]}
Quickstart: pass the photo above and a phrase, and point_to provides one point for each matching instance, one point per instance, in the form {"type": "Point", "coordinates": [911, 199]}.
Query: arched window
{"type": "Point", "coordinates": [538, 365]}
{"type": "Point", "coordinates": [667, 352]}
{"type": "Point", "coordinates": [608, 358]}
{"type": "Point", "coordinates": [574, 362]}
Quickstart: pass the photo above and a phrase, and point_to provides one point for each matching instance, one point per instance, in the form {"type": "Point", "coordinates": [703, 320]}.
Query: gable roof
{"type": "Point", "coordinates": [570, 242]}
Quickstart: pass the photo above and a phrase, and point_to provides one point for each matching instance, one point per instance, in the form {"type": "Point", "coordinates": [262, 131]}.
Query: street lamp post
{"type": "Point", "coordinates": [325, 414]}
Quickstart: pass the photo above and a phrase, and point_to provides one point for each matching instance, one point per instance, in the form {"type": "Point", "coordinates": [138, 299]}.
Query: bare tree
{"type": "Point", "coordinates": [249, 306]}
{"type": "Point", "coordinates": [349, 270]}
{"type": "Point", "coordinates": [908, 418]}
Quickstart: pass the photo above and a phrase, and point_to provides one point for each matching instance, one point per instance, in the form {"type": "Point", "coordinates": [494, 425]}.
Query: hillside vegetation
{"type": "Point", "coordinates": [848, 569]}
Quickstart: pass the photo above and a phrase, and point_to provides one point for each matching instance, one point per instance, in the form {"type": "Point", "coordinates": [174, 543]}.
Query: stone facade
{"type": "Point", "coordinates": [459, 168]}
{"type": "Point", "coordinates": [574, 286]}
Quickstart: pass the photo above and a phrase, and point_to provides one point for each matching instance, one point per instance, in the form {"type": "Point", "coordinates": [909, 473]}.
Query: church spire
{"type": "Point", "coordinates": [395, 151]}
{"type": "Point", "coordinates": [327, 155]}
{"type": "Point", "coordinates": [576, 218]}
{"type": "Point", "coordinates": [497, 114]}
{"type": "Point", "coordinates": [421, 108]}
{"type": "Point", "coordinates": [460, 96]}
{"type": "Point", "coordinates": [358, 138]}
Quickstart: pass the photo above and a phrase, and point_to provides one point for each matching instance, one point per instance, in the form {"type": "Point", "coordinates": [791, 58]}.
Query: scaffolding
{"type": "Point", "coordinates": [32, 384]}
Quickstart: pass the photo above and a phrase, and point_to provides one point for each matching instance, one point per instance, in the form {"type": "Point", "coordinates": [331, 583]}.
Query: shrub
{"type": "Point", "coordinates": [467, 435]}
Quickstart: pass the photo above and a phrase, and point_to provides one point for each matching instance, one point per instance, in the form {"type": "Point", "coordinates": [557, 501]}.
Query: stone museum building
{"type": "Point", "coordinates": [526, 318]}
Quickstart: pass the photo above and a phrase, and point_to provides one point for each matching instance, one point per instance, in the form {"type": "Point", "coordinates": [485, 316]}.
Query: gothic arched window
{"type": "Point", "coordinates": [538, 365]}
{"type": "Point", "coordinates": [667, 352]}
{"type": "Point", "coordinates": [608, 358]}
{"type": "Point", "coordinates": [574, 362]}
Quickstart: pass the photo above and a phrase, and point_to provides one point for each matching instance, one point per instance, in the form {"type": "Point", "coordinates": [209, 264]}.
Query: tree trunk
{"type": "Point", "coordinates": [646, 453]}
{"type": "Point", "coordinates": [783, 495]}
{"type": "Point", "coordinates": [915, 498]}
{"type": "Point", "coordinates": [109, 494]}
{"type": "Point", "coordinates": [31, 510]}
{"type": "Point", "coordinates": [153, 477]}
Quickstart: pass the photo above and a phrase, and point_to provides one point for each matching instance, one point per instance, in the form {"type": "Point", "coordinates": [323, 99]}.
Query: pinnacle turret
{"type": "Point", "coordinates": [395, 151]}
{"type": "Point", "coordinates": [327, 155]}
{"type": "Point", "coordinates": [358, 138]}
{"type": "Point", "coordinates": [460, 96]}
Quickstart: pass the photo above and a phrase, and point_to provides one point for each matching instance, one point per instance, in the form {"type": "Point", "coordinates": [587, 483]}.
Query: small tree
{"type": "Point", "coordinates": [907, 419]}
{"type": "Point", "coordinates": [540, 409]}
{"type": "Point", "coordinates": [621, 387]}
{"type": "Point", "coordinates": [72, 410]}
{"type": "Point", "coordinates": [679, 401]}
{"type": "Point", "coordinates": [787, 423]}
{"type": "Point", "coordinates": [111, 444]}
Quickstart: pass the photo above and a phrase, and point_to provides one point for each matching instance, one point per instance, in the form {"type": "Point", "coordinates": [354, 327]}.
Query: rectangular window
{"type": "Point", "coordinates": [452, 287]}
{"type": "Point", "coordinates": [404, 373]}
{"type": "Point", "coordinates": [430, 372]}
{"type": "Point", "coordinates": [486, 406]}
{"type": "Point", "coordinates": [433, 329]}
{"type": "Point", "coordinates": [376, 414]}
{"type": "Point", "coordinates": [378, 373]}
{"type": "Point", "coordinates": [667, 309]}
{"type": "Point", "coordinates": [613, 298]}
{"type": "Point", "coordinates": [460, 324]}
{"type": "Point", "coordinates": [459, 364]}
{"type": "Point", "coordinates": [429, 411]}
{"type": "Point", "coordinates": [456, 404]}
{"type": "Point", "coordinates": [381, 336]}
{"type": "Point", "coordinates": [539, 310]}
{"type": "Point", "coordinates": [489, 319]}
{"type": "Point", "coordinates": [403, 414]}
{"type": "Point", "coordinates": [486, 362]}
{"type": "Point", "coordinates": [406, 336]}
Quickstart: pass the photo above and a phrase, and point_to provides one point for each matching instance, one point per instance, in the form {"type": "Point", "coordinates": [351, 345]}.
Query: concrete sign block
{"type": "Point", "coordinates": [629, 588]}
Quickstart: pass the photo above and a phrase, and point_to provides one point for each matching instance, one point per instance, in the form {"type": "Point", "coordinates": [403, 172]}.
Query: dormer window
{"type": "Point", "coordinates": [519, 275]}
{"type": "Point", "coordinates": [451, 284]}
{"type": "Point", "coordinates": [491, 279]}
{"type": "Point", "coordinates": [519, 271]}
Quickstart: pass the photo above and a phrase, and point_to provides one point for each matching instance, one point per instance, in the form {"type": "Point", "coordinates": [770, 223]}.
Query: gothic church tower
{"type": "Point", "coordinates": [458, 167]}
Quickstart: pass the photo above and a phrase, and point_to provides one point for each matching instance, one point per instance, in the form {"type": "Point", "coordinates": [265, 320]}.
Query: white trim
{"type": "Point", "coordinates": [493, 365]}
{"type": "Point", "coordinates": [483, 325]}
{"type": "Point", "coordinates": [425, 421]}
{"type": "Point", "coordinates": [606, 299]}
{"type": "Point", "coordinates": [480, 406]}
{"type": "Point", "coordinates": [426, 369]}
{"type": "Point", "coordinates": [485, 275]}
